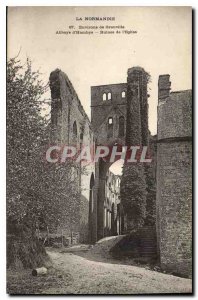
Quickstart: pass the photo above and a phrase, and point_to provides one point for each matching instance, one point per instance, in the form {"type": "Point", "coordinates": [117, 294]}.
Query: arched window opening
{"type": "Point", "coordinates": [123, 94]}
{"type": "Point", "coordinates": [109, 96]}
{"type": "Point", "coordinates": [104, 97]}
{"type": "Point", "coordinates": [117, 183]}
{"type": "Point", "coordinates": [116, 167]}
{"type": "Point", "coordinates": [75, 132]}
{"type": "Point", "coordinates": [110, 121]}
{"type": "Point", "coordinates": [111, 221]}
{"type": "Point", "coordinates": [121, 126]}
{"type": "Point", "coordinates": [110, 127]}
{"type": "Point", "coordinates": [105, 217]}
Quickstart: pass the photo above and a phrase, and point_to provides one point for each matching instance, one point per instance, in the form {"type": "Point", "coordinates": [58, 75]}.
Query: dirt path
{"type": "Point", "coordinates": [93, 277]}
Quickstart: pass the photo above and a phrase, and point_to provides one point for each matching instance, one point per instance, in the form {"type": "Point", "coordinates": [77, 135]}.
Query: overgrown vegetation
{"type": "Point", "coordinates": [133, 184]}
{"type": "Point", "coordinates": [40, 195]}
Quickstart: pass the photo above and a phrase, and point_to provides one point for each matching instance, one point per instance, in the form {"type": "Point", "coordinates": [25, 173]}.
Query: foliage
{"type": "Point", "coordinates": [133, 195]}
{"type": "Point", "coordinates": [39, 194]}
{"type": "Point", "coordinates": [25, 128]}
{"type": "Point", "coordinates": [133, 186]}
{"type": "Point", "coordinates": [151, 196]}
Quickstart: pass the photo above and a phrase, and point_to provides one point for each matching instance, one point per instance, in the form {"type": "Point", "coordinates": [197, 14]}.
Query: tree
{"type": "Point", "coordinates": [39, 194]}
{"type": "Point", "coordinates": [25, 129]}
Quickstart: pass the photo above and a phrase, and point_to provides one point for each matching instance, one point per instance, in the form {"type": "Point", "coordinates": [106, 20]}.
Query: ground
{"type": "Point", "coordinates": [94, 277]}
{"type": "Point", "coordinates": [85, 270]}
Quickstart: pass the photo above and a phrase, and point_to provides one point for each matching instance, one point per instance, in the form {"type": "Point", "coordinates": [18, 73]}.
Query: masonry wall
{"type": "Point", "coordinates": [150, 172]}
{"type": "Point", "coordinates": [130, 102]}
{"type": "Point", "coordinates": [113, 106]}
{"type": "Point", "coordinates": [174, 179]}
{"type": "Point", "coordinates": [107, 101]}
{"type": "Point", "coordinates": [71, 126]}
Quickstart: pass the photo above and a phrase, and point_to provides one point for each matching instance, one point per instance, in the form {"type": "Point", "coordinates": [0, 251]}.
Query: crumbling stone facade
{"type": "Point", "coordinates": [137, 134]}
{"type": "Point", "coordinates": [108, 113]}
{"type": "Point", "coordinates": [119, 115]}
{"type": "Point", "coordinates": [115, 110]}
{"type": "Point", "coordinates": [174, 178]}
{"type": "Point", "coordinates": [71, 126]}
{"type": "Point", "coordinates": [108, 118]}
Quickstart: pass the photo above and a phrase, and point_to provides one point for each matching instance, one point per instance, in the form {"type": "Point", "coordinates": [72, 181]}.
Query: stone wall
{"type": "Point", "coordinates": [108, 101]}
{"type": "Point", "coordinates": [174, 179]}
{"type": "Point", "coordinates": [127, 102]}
{"type": "Point", "coordinates": [71, 126]}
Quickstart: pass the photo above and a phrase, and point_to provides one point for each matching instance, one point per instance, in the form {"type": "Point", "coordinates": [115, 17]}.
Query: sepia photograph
{"type": "Point", "coordinates": [99, 150]}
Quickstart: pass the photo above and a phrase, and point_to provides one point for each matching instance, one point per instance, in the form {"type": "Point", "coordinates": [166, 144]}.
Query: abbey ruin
{"type": "Point", "coordinates": [119, 116]}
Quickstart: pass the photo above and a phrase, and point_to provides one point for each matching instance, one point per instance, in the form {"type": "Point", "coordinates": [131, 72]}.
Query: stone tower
{"type": "Point", "coordinates": [108, 113]}
{"type": "Point", "coordinates": [137, 107]}
{"type": "Point", "coordinates": [136, 135]}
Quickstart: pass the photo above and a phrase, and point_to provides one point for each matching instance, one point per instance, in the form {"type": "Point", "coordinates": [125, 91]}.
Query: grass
{"type": "Point", "coordinates": [21, 282]}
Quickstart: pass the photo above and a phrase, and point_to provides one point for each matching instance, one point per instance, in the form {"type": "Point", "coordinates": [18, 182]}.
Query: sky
{"type": "Point", "coordinates": [162, 45]}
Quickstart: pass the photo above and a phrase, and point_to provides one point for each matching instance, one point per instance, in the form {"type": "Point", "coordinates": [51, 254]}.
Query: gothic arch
{"type": "Point", "coordinates": [104, 97]}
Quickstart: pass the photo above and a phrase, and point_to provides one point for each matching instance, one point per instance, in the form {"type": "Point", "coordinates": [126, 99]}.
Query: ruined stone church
{"type": "Point", "coordinates": [116, 111]}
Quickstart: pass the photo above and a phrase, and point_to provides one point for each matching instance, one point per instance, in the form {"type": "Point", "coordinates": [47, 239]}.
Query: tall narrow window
{"type": "Point", "coordinates": [104, 97]}
{"type": "Point", "coordinates": [109, 96]}
{"type": "Point", "coordinates": [75, 133]}
{"type": "Point", "coordinates": [110, 121]}
{"type": "Point", "coordinates": [123, 94]}
{"type": "Point", "coordinates": [121, 126]}
{"type": "Point", "coordinates": [109, 220]}
{"type": "Point", "coordinates": [105, 217]}
{"type": "Point", "coordinates": [110, 127]}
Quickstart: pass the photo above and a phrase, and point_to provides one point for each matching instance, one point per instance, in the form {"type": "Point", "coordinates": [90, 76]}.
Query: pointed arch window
{"type": "Point", "coordinates": [104, 97]}
{"type": "Point", "coordinates": [109, 96]}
